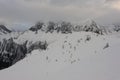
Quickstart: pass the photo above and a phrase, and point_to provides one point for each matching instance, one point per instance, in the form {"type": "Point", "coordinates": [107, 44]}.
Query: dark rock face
{"type": "Point", "coordinates": [4, 30]}
{"type": "Point", "coordinates": [51, 27]}
{"type": "Point", "coordinates": [63, 27]}
{"type": "Point", "coordinates": [37, 45]}
{"type": "Point", "coordinates": [11, 52]}
{"type": "Point", "coordinates": [37, 26]}
{"type": "Point", "coordinates": [93, 27]}
{"type": "Point", "coordinates": [117, 28]}
{"type": "Point", "coordinates": [66, 27]}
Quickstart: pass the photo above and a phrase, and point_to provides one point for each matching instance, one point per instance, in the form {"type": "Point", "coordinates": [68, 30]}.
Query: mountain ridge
{"type": "Point", "coordinates": [41, 35]}
{"type": "Point", "coordinates": [4, 30]}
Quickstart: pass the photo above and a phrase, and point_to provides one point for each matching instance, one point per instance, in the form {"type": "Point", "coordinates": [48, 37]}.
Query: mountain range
{"type": "Point", "coordinates": [60, 43]}
{"type": "Point", "coordinates": [15, 45]}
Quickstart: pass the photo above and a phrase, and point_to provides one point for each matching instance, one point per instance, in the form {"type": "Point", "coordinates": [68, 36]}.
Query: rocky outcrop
{"type": "Point", "coordinates": [67, 27]}
{"type": "Point", "coordinates": [37, 45]}
{"type": "Point", "coordinates": [91, 26]}
{"type": "Point", "coordinates": [63, 27]}
{"type": "Point", "coordinates": [37, 26]}
{"type": "Point", "coordinates": [4, 30]}
{"type": "Point", "coordinates": [11, 52]}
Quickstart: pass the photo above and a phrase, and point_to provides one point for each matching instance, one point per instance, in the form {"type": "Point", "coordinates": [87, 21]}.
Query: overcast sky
{"type": "Point", "coordinates": [26, 12]}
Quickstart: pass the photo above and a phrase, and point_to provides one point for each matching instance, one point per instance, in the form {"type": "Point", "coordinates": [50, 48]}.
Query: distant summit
{"type": "Point", "coordinates": [91, 26]}
{"type": "Point", "coordinates": [67, 27]}
{"type": "Point", "coordinates": [4, 30]}
{"type": "Point", "coordinates": [37, 26]}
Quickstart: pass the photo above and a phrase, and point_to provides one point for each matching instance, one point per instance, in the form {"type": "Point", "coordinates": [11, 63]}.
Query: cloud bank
{"type": "Point", "coordinates": [30, 11]}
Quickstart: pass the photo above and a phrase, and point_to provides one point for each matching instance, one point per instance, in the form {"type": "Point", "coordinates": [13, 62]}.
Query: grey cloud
{"type": "Point", "coordinates": [111, 17]}
{"type": "Point", "coordinates": [80, 3]}
{"type": "Point", "coordinates": [30, 11]}
{"type": "Point", "coordinates": [111, 0]}
{"type": "Point", "coordinates": [63, 2]}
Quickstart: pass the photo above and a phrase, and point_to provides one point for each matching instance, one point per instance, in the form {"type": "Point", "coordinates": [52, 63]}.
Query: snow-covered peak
{"type": "Point", "coordinates": [42, 36]}
{"type": "Point", "coordinates": [92, 26]}
{"type": "Point", "coordinates": [37, 26]}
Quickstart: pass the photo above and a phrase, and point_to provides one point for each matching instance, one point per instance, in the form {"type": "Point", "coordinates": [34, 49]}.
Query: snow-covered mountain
{"type": "Point", "coordinates": [80, 55]}
{"type": "Point", "coordinates": [92, 26]}
{"type": "Point", "coordinates": [59, 52]}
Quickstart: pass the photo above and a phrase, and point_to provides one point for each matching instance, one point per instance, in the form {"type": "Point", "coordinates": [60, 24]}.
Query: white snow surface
{"type": "Point", "coordinates": [69, 57]}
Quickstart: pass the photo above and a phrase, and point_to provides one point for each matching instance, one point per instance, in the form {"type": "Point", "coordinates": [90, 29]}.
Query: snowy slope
{"type": "Point", "coordinates": [77, 56]}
